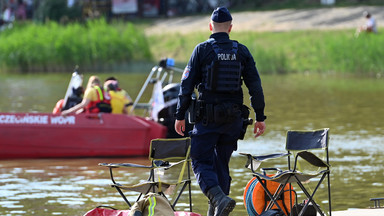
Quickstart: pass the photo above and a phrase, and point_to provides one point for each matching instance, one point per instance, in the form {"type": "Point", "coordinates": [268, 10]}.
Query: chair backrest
{"type": "Point", "coordinates": [170, 149]}
{"type": "Point", "coordinates": [176, 151]}
{"type": "Point", "coordinates": [307, 140]}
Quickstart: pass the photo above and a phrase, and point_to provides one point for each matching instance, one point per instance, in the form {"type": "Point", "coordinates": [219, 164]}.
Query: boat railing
{"type": "Point", "coordinates": [161, 72]}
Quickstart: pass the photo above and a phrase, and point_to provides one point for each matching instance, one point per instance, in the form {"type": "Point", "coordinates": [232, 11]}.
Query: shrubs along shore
{"type": "Point", "coordinates": [333, 51]}
{"type": "Point", "coordinates": [100, 46]}
{"type": "Point", "coordinates": [51, 47]}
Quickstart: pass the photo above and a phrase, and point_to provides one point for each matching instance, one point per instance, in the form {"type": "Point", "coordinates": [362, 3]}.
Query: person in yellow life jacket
{"type": "Point", "coordinates": [120, 100]}
{"type": "Point", "coordinates": [95, 99]}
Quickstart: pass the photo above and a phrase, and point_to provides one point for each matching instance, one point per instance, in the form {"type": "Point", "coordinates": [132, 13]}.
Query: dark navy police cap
{"type": "Point", "coordinates": [220, 15]}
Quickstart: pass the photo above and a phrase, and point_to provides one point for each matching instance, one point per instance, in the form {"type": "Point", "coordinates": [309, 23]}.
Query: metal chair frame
{"type": "Point", "coordinates": [159, 161]}
{"type": "Point", "coordinates": [293, 175]}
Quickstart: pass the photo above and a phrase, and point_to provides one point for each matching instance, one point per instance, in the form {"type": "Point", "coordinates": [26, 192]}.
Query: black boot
{"type": "Point", "coordinates": [211, 209]}
{"type": "Point", "coordinates": [223, 204]}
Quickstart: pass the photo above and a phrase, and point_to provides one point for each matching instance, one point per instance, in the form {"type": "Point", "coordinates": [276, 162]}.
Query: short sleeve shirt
{"type": "Point", "coordinates": [91, 94]}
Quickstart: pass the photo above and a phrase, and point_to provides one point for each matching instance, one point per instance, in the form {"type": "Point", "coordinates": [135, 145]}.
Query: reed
{"type": "Point", "coordinates": [335, 51]}
{"type": "Point", "coordinates": [52, 47]}
{"type": "Point", "coordinates": [100, 46]}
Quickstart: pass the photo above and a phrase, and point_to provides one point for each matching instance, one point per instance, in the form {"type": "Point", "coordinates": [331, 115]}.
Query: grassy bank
{"type": "Point", "coordinates": [286, 52]}
{"type": "Point", "coordinates": [95, 45]}
{"type": "Point", "coordinates": [99, 46]}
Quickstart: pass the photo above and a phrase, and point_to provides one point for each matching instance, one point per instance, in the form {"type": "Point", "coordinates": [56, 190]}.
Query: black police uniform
{"type": "Point", "coordinates": [213, 142]}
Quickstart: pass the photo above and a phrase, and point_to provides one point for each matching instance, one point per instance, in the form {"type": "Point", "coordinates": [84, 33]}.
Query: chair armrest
{"type": "Point", "coordinates": [264, 170]}
{"type": "Point", "coordinates": [312, 159]}
{"type": "Point", "coordinates": [254, 162]}
{"type": "Point", "coordinates": [170, 165]}
{"type": "Point", "coordinates": [126, 165]}
{"type": "Point", "coordinates": [266, 157]}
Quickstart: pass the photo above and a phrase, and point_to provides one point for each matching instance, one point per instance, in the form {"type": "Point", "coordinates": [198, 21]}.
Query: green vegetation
{"type": "Point", "coordinates": [98, 46]}
{"type": "Point", "coordinates": [285, 52]}
{"type": "Point", "coordinates": [52, 47]}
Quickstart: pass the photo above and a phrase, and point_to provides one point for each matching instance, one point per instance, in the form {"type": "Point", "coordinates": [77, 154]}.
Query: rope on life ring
{"type": "Point", "coordinates": [256, 200]}
{"type": "Point", "coordinates": [248, 197]}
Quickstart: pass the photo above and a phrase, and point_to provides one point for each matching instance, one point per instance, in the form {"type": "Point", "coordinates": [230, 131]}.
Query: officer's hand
{"type": "Point", "coordinates": [180, 127]}
{"type": "Point", "coordinates": [259, 128]}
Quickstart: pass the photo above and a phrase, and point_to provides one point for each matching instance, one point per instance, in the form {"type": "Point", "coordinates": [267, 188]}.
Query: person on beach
{"type": "Point", "coordinates": [217, 68]}
{"type": "Point", "coordinates": [369, 26]}
{"type": "Point", "coordinates": [95, 99]}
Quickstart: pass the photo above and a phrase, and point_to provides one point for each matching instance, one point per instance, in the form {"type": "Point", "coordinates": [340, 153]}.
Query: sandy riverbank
{"type": "Point", "coordinates": [280, 20]}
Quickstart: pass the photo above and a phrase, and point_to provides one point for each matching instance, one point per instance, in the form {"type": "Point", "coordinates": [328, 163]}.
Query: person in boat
{"type": "Point", "coordinates": [95, 100]}
{"type": "Point", "coordinates": [217, 68]}
{"type": "Point", "coordinates": [75, 98]}
{"type": "Point", "coordinates": [120, 99]}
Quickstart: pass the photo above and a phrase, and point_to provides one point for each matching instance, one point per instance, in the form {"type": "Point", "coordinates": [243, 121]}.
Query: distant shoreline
{"type": "Point", "coordinates": [275, 21]}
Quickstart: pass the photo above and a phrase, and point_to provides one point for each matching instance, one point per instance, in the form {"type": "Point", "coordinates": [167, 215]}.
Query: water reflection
{"type": "Point", "coordinates": [351, 107]}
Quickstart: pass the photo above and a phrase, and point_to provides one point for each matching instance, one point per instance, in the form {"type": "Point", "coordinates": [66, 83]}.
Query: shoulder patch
{"type": "Point", "coordinates": [186, 72]}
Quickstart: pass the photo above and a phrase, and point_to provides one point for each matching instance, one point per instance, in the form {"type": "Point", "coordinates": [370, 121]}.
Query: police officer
{"type": "Point", "coordinates": [217, 68]}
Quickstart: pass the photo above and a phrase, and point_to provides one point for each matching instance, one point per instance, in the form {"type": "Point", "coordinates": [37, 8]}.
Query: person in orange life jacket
{"type": "Point", "coordinates": [217, 68]}
{"type": "Point", "coordinates": [120, 100]}
{"type": "Point", "coordinates": [95, 99]}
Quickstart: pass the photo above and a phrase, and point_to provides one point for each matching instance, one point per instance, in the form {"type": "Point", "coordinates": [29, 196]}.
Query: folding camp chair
{"type": "Point", "coordinates": [166, 156]}
{"type": "Point", "coordinates": [305, 147]}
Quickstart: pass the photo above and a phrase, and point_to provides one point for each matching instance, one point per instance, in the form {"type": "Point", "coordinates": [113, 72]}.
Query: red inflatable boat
{"type": "Point", "coordinates": [43, 135]}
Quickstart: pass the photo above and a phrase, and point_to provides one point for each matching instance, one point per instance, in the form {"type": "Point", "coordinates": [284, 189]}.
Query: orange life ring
{"type": "Point", "coordinates": [58, 107]}
{"type": "Point", "coordinates": [256, 200]}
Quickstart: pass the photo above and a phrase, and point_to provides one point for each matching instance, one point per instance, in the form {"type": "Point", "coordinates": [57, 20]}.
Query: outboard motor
{"type": "Point", "coordinates": [167, 115]}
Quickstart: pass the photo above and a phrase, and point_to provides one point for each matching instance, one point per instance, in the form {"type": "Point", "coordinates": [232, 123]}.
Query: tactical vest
{"type": "Point", "coordinates": [223, 75]}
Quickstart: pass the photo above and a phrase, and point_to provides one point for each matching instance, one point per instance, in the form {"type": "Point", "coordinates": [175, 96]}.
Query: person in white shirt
{"type": "Point", "coordinates": [370, 25]}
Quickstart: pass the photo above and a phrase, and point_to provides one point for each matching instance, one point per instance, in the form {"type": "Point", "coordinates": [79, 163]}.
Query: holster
{"type": "Point", "coordinates": [246, 120]}
{"type": "Point", "coordinates": [204, 112]}
{"type": "Point", "coordinates": [199, 110]}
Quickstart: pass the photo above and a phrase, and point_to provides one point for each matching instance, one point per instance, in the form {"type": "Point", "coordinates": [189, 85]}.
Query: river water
{"type": "Point", "coordinates": [352, 107]}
